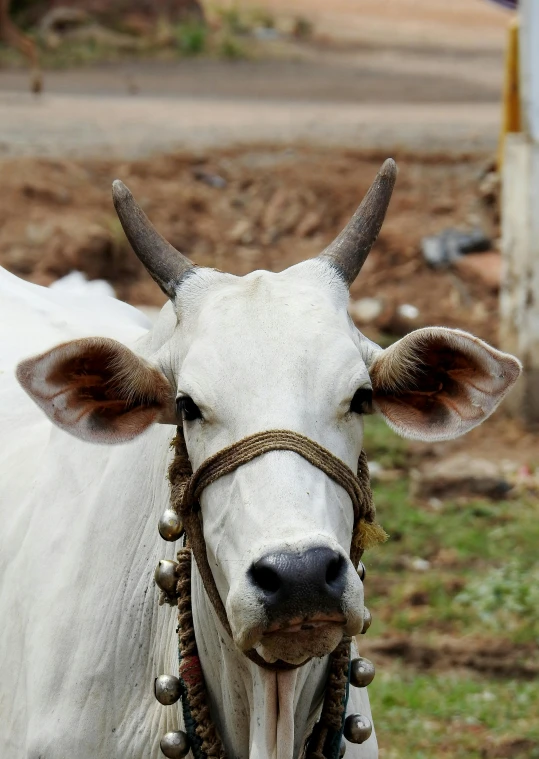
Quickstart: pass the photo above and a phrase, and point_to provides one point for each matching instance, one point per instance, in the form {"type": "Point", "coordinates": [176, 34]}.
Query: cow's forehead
{"type": "Point", "coordinates": [310, 295]}
{"type": "Point", "coordinates": [272, 333]}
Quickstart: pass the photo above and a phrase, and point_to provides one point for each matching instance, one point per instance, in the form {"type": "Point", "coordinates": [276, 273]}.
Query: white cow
{"type": "Point", "coordinates": [82, 636]}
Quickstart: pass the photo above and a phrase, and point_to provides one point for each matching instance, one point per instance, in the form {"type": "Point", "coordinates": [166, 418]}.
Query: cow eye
{"type": "Point", "coordinates": [362, 401]}
{"type": "Point", "coordinates": [187, 408]}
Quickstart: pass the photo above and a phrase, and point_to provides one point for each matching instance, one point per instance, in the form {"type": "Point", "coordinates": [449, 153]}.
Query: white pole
{"type": "Point", "coordinates": [519, 297]}
{"type": "Point", "coordinates": [529, 66]}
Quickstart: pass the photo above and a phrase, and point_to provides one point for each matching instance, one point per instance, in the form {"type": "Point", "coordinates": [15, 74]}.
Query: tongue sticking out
{"type": "Point", "coordinates": [273, 736]}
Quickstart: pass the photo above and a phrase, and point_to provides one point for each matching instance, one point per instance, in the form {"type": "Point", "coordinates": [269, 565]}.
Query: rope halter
{"type": "Point", "coordinates": [185, 514]}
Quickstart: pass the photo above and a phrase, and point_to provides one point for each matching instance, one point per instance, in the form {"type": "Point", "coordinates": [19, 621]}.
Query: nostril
{"type": "Point", "coordinates": [267, 579]}
{"type": "Point", "coordinates": [334, 570]}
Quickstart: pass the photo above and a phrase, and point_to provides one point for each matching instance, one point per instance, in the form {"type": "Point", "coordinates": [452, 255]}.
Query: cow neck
{"type": "Point", "coordinates": [186, 488]}
{"type": "Point", "coordinates": [204, 738]}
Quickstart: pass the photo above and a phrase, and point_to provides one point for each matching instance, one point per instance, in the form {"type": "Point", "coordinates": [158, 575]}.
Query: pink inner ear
{"type": "Point", "coordinates": [96, 389]}
{"type": "Point", "coordinates": [453, 382]}
{"type": "Point", "coordinates": [88, 381]}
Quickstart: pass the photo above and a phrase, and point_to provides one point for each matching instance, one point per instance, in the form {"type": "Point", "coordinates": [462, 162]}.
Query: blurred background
{"type": "Point", "coordinates": [249, 132]}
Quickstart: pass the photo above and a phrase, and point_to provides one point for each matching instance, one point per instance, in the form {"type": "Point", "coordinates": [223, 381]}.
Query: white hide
{"type": "Point", "coordinates": [82, 634]}
{"type": "Point", "coordinates": [76, 283]}
{"type": "Point", "coordinates": [85, 633]}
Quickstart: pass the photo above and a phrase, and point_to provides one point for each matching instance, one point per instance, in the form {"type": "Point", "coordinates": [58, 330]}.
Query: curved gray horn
{"type": "Point", "coordinates": [350, 249]}
{"type": "Point", "coordinates": [165, 264]}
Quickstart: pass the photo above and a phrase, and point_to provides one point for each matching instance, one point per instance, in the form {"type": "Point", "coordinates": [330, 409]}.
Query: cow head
{"type": "Point", "coordinates": [272, 351]}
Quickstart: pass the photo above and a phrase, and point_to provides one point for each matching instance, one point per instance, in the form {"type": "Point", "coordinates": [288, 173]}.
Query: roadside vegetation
{"type": "Point", "coordinates": [226, 32]}
{"type": "Point", "coordinates": [454, 595]}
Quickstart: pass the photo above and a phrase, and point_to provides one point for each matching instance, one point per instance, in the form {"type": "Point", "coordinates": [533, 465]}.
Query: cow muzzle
{"type": "Point", "coordinates": [296, 604]}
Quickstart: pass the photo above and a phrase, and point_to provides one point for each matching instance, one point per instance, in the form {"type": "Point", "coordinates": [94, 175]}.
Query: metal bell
{"type": "Point", "coordinates": [165, 576]}
{"type": "Point", "coordinates": [361, 570]}
{"type": "Point", "coordinates": [170, 526]}
{"type": "Point", "coordinates": [367, 620]}
{"type": "Point", "coordinates": [175, 745]}
{"type": "Point", "coordinates": [362, 672]}
{"type": "Point", "coordinates": [167, 689]}
{"type": "Point", "coordinates": [342, 748]}
{"type": "Point", "coordinates": [357, 728]}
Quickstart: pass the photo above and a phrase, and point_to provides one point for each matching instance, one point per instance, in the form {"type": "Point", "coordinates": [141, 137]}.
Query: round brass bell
{"type": "Point", "coordinates": [165, 576]}
{"type": "Point", "coordinates": [362, 672]}
{"type": "Point", "coordinates": [367, 620]}
{"type": "Point", "coordinates": [167, 689]}
{"type": "Point", "coordinates": [342, 748]}
{"type": "Point", "coordinates": [175, 745]}
{"type": "Point", "coordinates": [357, 728]}
{"type": "Point", "coordinates": [170, 526]}
{"type": "Point", "coordinates": [361, 570]}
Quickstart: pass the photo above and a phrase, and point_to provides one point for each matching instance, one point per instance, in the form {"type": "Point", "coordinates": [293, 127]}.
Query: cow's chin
{"type": "Point", "coordinates": [295, 646]}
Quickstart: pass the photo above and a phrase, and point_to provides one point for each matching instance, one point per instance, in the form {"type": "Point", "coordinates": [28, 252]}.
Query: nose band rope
{"type": "Point", "coordinates": [186, 489]}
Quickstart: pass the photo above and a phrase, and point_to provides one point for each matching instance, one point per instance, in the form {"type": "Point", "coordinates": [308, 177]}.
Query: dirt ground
{"type": "Point", "coordinates": [263, 207]}
{"type": "Point", "coordinates": [275, 207]}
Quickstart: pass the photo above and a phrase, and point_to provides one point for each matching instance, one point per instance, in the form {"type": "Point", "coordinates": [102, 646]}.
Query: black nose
{"type": "Point", "coordinates": [300, 583]}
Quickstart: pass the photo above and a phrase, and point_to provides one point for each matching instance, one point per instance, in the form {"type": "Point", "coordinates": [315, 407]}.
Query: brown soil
{"type": "Point", "coordinates": [497, 658]}
{"type": "Point", "coordinates": [518, 748]}
{"type": "Point", "coordinates": [277, 207]}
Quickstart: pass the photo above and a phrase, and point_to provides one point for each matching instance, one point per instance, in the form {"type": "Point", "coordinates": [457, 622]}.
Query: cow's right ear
{"type": "Point", "coordinates": [98, 390]}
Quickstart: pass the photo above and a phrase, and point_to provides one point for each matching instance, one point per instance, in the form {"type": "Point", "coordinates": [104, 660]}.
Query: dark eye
{"type": "Point", "coordinates": [362, 401]}
{"type": "Point", "coordinates": [187, 408]}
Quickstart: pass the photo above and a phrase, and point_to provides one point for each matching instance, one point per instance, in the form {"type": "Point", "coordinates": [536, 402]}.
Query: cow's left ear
{"type": "Point", "coordinates": [438, 383]}
{"type": "Point", "coordinates": [97, 389]}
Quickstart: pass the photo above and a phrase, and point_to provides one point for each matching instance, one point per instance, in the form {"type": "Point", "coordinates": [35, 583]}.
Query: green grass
{"type": "Point", "coordinates": [191, 38]}
{"type": "Point", "coordinates": [481, 584]}
{"type": "Point", "coordinates": [483, 572]}
{"type": "Point", "coordinates": [422, 716]}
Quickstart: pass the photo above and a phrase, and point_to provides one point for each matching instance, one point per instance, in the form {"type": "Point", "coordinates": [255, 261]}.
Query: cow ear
{"type": "Point", "coordinates": [97, 389]}
{"type": "Point", "coordinates": [438, 383]}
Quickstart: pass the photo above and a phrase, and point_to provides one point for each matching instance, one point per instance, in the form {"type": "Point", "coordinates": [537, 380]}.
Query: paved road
{"type": "Point", "coordinates": [415, 73]}
{"type": "Point", "coordinates": [357, 96]}
{"type": "Point", "coordinates": [120, 125]}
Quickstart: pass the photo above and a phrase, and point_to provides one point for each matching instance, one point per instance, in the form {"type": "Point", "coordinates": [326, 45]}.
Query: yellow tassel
{"type": "Point", "coordinates": [367, 535]}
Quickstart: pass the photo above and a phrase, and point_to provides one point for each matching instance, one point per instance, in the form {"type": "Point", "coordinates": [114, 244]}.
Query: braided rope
{"type": "Point", "coordinates": [209, 743]}
{"type": "Point", "coordinates": [186, 488]}
{"type": "Point", "coordinates": [204, 738]}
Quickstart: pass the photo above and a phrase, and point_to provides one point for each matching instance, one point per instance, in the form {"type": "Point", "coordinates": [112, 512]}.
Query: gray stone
{"type": "Point", "coordinates": [459, 475]}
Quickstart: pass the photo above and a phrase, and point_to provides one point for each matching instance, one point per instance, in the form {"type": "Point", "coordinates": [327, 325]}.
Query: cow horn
{"type": "Point", "coordinates": [350, 249]}
{"type": "Point", "coordinates": [165, 264]}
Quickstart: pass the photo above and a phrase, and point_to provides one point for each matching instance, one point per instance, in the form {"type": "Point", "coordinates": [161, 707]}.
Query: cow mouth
{"type": "Point", "coordinates": [299, 639]}
{"type": "Point", "coordinates": [304, 624]}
